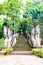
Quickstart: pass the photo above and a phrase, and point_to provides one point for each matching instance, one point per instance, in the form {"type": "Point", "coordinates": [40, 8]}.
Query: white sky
{"type": "Point", "coordinates": [1, 1]}
{"type": "Point", "coordinates": [4, 0]}
{"type": "Point", "coordinates": [24, 1]}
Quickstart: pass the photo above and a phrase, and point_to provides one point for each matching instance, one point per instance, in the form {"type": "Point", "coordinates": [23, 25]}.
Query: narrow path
{"type": "Point", "coordinates": [22, 44]}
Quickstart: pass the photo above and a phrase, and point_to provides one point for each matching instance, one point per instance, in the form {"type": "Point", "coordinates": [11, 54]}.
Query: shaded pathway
{"type": "Point", "coordinates": [22, 44]}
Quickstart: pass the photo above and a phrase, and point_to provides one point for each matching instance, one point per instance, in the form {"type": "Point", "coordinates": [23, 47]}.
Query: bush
{"type": "Point", "coordinates": [38, 52]}
{"type": "Point", "coordinates": [1, 32]}
{"type": "Point", "coordinates": [8, 50]}
{"type": "Point", "coordinates": [1, 43]}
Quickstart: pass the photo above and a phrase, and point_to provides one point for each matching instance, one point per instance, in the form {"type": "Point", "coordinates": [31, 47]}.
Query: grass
{"type": "Point", "coordinates": [1, 43]}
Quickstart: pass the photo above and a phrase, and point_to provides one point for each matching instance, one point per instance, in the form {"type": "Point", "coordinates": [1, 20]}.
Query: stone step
{"type": "Point", "coordinates": [22, 44]}
{"type": "Point", "coordinates": [1, 52]}
{"type": "Point", "coordinates": [21, 53]}
{"type": "Point", "coordinates": [18, 52]}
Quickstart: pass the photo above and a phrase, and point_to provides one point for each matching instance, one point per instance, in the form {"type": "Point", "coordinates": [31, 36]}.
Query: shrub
{"type": "Point", "coordinates": [1, 32]}
{"type": "Point", "coordinates": [38, 52]}
{"type": "Point", "coordinates": [1, 43]}
{"type": "Point", "coordinates": [8, 50]}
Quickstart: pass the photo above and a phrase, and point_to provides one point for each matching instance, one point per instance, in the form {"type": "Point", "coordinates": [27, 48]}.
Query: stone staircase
{"type": "Point", "coordinates": [22, 47]}
{"type": "Point", "coordinates": [22, 44]}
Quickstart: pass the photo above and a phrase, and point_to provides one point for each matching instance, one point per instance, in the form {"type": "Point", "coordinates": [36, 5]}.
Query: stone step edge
{"type": "Point", "coordinates": [19, 52]}
{"type": "Point", "coordinates": [22, 53]}
{"type": "Point", "coordinates": [1, 52]}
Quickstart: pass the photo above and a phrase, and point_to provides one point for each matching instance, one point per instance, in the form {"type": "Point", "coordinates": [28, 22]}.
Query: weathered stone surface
{"type": "Point", "coordinates": [38, 35]}
{"type": "Point", "coordinates": [10, 33]}
{"type": "Point", "coordinates": [37, 29]}
{"type": "Point", "coordinates": [10, 39]}
{"type": "Point", "coordinates": [35, 36]}
{"type": "Point", "coordinates": [5, 31]}
{"type": "Point", "coordinates": [6, 42]}
{"type": "Point", "coordinates": [14, 40]}
{"type": "Point", "coordinates": [21, 60]}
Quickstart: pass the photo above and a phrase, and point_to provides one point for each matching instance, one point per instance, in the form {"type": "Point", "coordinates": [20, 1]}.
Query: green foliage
{"type": "Point", "coordinates": [1, 32]}
{"type": "Point", "coordinates": [8, 50]}
{"type": "Point", "coordinates": [1, 9]}
{"type": "Point", "coordinates": [38, 52]}
{"type": "Point", "coordinates": [1, 28]}
{"type": "Point", "coordinates": [29, 24]}
{"type": "Point", "coordinates": [33, 15]}
{"type": "Point", "coordinates": [1, 43]}
{"type": "Point", "coordinates": [11, 8]}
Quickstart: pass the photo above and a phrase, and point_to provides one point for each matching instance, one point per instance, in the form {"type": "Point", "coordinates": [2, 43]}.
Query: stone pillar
{"type": "Point", "coordinates": [10, 33]}
{"type": "Point", "coordinates": [14, 40]}
{"type": "Point", "coordinates": [10, 36]}
{"type": "Point", "coordinates": [33, 37]}
{"type": "Point", "coordinates": [5, 31]}
{"type": "Point", "coordinates": [10, 39]}
{"type": "Point", "coordinates": [37, 36]}
{"type": "Point", "coordinates": [6, 42]}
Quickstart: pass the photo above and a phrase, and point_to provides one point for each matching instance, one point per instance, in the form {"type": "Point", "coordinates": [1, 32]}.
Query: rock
{"type": "Point", "coordinates": [14, 41]}
{"type": "Point", "coordinates": [17, 34]}
{"type": "Point", "coordinates": [37, 29]}
{"type": "Point", "coordinates": [37, 36]}
{"type": "Point", "coordinates": [5, 31]}
{"type": "Point", "coordinates": [6, 42]}
{"type": "Point", "coordinates": [33, 37]}
{"type": "Point", "coordinates": [10, 41]}
{"type": "Point", "coordinates": [33, 31]}
{"type": "Point", "coordinates": [10, 33]}
{"type": "Point", "coordinates": [33, 41]}
{"type": "Point", "coordinates": [37, 41]}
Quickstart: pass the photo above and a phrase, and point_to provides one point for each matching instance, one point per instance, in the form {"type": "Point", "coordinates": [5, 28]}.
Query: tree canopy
{"type": "Point", "coordinates": [31, 11]}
